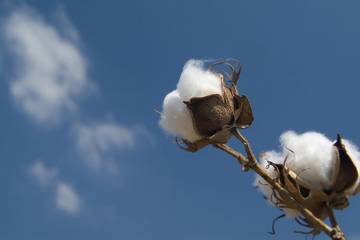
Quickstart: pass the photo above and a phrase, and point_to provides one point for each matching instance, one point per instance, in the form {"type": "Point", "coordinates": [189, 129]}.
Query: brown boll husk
{"type": "Point", "coordinates": [216, 116]}
{"type": "Point", "coordinates": [210, 114]}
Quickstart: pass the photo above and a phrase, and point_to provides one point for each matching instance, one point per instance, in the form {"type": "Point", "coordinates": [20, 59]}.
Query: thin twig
{"type": "Point", "coordinates": [333, 221]}
{"type": "Point", "coordinates": [273, 232]}
{"type": "Point", "coordinates": [241, 158]}
{"type": "Point", "coordinates": [250, 162]}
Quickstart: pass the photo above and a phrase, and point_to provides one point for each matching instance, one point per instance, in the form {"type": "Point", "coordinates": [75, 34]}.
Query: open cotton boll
{"type": "Point", "coordinates": [267, 189]}
{"type": "Point", "coordinates": [354, 153]}
{"type": "Point", "coordinates": [313, 160]}
{"type": "Point", "coordinates": [197, 82]}
{"type": "Point", "coordinates": [176, 119]}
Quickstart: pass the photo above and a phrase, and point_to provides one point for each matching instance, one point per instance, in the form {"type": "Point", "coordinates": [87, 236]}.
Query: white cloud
{"type": "Point", "coordinates": [67, 199]}
{"type": "Point", "coordinates": [43, 175]}
{"type": "Point", "coordinates": [97, 143]}
{"type": "Point", "coordinates": [67, 26]}
{"type": "Point", "coordinates": [51, 71]}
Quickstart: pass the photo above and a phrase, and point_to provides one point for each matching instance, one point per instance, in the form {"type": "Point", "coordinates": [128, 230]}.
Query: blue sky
{"type": "Point", "coordinates": [81, 151]}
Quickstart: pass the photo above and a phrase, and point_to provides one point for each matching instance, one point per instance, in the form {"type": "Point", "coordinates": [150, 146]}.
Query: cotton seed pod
{"type": "Point", "coordinates": [215, 112]}
{"type": "Point", "coordinates": [214, 116]}
{"type": "Point", "coordinates": [344, 176]}
{"type": "Point", "coordinates": [315, 170]}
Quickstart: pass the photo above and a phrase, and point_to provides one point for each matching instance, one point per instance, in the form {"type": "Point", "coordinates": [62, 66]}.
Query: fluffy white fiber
{"type": "Point", "coordinates": [176, 119]}
{"type": "Point", "coordinates": [197, 82]}
{"type": "Point", "coordinates": [313, 160]}
{"type": "Point", "coordinates": [311, 156]}
{"type": "Point", "coordinates": [194, 81]}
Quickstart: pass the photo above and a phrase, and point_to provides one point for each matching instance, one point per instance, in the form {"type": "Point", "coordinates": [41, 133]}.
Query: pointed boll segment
{"type": "Point", "coordinates": [347, 174]}
{"type": "Point", "coordinates": [243, 112]}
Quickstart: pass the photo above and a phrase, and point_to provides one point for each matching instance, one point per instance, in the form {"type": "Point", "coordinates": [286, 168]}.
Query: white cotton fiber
{"type": "Point", "coordinates": [312, 157]}
{"type": "Point", "coordinates": [197, 82]}
{"type": "Point", "coordinates": [267, 189]}
{"type": "Point", "coordinates": [194, 81]}
{"type": "Point", "coordinates": [354, 153]}
{"type": "Point", "coordinates": [313, 160]}
{"type": "Point", "coordinates": [175, 118]}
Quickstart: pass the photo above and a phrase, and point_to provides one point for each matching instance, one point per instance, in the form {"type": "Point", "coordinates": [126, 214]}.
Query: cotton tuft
{"type": "Point", "coordinates": [313, 158]}
{"type": "Point", "coordinates": [197, 82]}
{"type": "Point", "coordinates": [194, 81]}
{"type": "Point", "coordinates": [176, 119]}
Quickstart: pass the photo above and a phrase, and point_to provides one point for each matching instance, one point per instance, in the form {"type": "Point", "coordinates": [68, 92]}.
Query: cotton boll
{"type": "Point", "coordinates": [267, 189]}
{"type": "Point", "coordinates": [197, 82]}
{"type": "Point", "coordinates": [176, 119]}
{"type": "Point", "coordinates": [313, 160]}
{"type": "Point", "coordinates": [354, 153]}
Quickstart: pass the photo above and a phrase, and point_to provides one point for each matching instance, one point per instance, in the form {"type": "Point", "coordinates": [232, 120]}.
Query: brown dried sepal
{"type": "Point", "coordinates": [346, 171]}
{"type": "Point", "coordinates": [209, 114]}
{"type": "Point", "coordinates": [315, 201]}
{"type": "Point", "coordinates": [345, 177]}
{"type": "Point", "coordinates": [243, 112]}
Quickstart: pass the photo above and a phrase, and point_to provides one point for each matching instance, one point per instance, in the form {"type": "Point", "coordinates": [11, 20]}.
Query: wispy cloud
{"type": "Point", "coordinates": [98, 142]}
{"type": "Point", "coordinates": [66, 198]}
{"type": "Point", "coordinates": [50, 70]}
{"type": "Point", "coordinates": [43, 174]}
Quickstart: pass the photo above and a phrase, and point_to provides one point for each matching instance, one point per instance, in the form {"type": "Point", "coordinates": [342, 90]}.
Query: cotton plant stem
{"type": "Point", "coordinates": [251, 163]}
{"type": "Point", "coordinates": [332, 219]}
